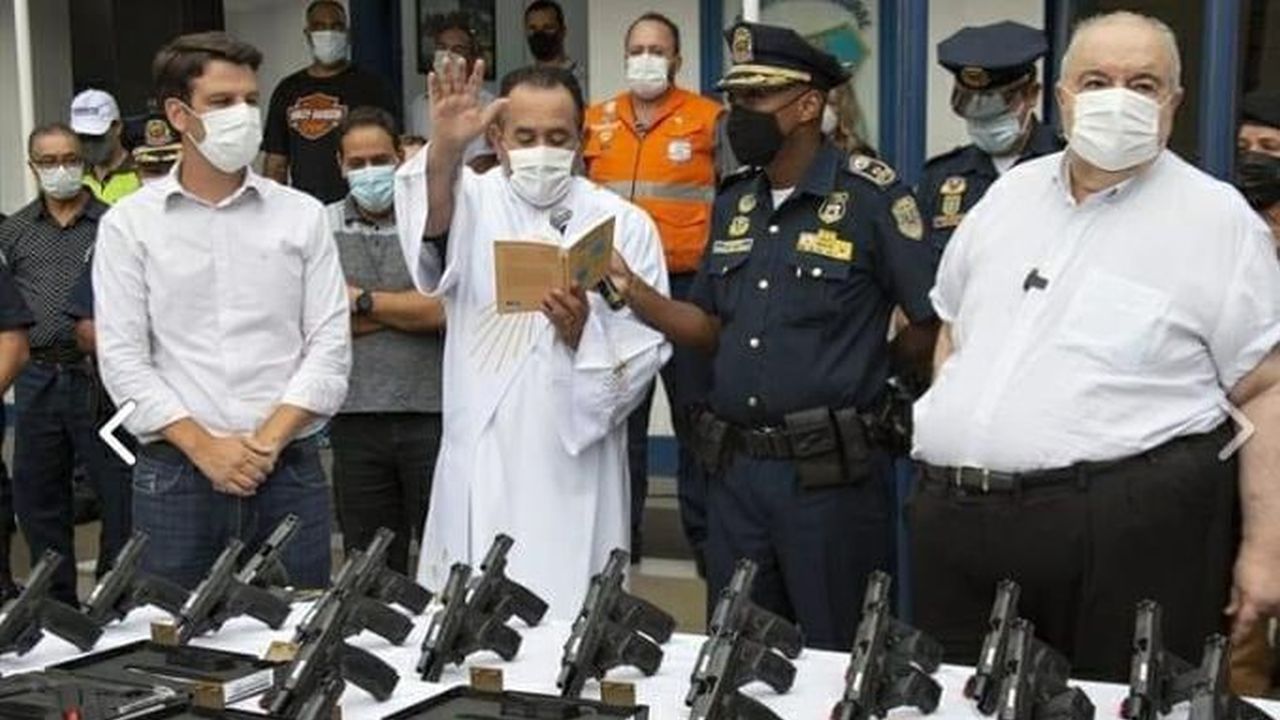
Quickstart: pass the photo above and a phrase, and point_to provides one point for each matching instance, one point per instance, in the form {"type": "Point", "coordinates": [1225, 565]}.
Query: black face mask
{"type": "Point", "coordinates": [96, 150]}
{"type": "Point", "coordinates": [1258, 177]}
{"type": "Point", "coordinates": [544, 44]}
{"type": "Point", "coordinates": [754, 136]}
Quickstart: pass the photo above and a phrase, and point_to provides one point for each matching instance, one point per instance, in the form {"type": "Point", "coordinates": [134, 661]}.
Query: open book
{"type": "Point", "coordinates": [525, 270]}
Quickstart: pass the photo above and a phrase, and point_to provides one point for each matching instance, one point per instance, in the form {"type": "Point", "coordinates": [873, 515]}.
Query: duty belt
{"type": "Point", "coordinates": [779, 443]}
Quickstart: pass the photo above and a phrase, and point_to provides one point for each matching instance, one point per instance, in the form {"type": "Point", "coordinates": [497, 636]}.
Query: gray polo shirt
{"type": "Point", "coordinates": [391, 370]}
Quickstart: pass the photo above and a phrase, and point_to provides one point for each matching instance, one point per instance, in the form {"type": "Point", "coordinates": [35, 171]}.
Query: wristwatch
{"type": "Point", "coordinates": [364, 302]}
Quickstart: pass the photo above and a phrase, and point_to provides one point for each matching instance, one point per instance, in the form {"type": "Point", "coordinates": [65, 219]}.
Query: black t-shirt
{"type": "Point", "coordinates": [303, 120]}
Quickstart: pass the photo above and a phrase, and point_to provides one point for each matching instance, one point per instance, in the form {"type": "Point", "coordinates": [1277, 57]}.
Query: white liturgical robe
{"type": "Point", "coordinates": [534, 433]}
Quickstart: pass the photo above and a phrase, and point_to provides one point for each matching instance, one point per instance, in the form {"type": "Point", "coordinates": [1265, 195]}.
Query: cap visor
{"type": "Point", "coordinates": [90, 126]}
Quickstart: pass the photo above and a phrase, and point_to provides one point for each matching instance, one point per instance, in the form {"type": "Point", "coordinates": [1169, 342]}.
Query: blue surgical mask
{"type": "Point", "coordinates": [373, 187]}
{"type": "Point", "coordinates": [997, 134]}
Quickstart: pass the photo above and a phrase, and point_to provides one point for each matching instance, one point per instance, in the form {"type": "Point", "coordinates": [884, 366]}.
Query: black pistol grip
{"type": "Point", "coordinates": [1070, 704]}
{"type": "Point", "coordinates": [642, 615]}
{"type": "Point", "coordinates": [69, 624]}
{"type": "Point", "coordinates": [527, 606]}
{"type": "Point", "coordinates": [262, 605]}
{"type": "Point", "coordinates": [368, 672]}
{"type": "Point", "coordinates": [642, 653]}
{"type": "Point", "coordinates": [383, 621]}
{"type": "Point", "coordinates": [164, 594]}
{"type": "Point", "coordinates": [776, 632]}
{"type": "Point", "coordinates": [744, 707]}
{"type": "Point", "coordinates": [772, 669]}
{"type": "Point", "coordinates": [916, 689]}
{"type": "Point", "coordinates": [501, 639]}
{"type": "Point", "coordinates": [919, 648]}
{"type": "Point", "coordinates": [399, 589]}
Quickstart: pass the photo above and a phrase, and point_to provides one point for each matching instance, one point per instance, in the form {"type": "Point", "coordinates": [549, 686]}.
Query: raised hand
{"type": "Point", "coordinates": [458, 115]}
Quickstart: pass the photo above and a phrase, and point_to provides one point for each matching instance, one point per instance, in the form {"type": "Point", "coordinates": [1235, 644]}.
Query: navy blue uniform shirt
{"type": "Point", "coordinates": [804, 291]}
{"type": "Point", "coordinates": [955, 181]}
{"type": "Point", "coordinates": [14, 313]}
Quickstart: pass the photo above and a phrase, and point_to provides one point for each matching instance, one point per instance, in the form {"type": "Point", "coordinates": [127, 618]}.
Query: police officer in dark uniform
{"type": "Point", "coordinates": [808, 254]}
{"type": "Point", "coordinates": [996, 93]}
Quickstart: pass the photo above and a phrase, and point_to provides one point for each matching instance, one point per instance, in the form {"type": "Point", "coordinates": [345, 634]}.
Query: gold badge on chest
{"type": "Point", "coordinates": [825, 243]}
{"type": "Point", "coordinates": [739, 226]}
{"type": "Point", "coordinates": [834, 208]}
{"type": "Point", "coordinates": [746, 204]}
{"type": "Point", "coordinates": [952, 192]}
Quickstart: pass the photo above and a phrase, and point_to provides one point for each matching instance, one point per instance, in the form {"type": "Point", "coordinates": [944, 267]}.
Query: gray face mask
{"type": "Point", "coordinates": [97, 149]}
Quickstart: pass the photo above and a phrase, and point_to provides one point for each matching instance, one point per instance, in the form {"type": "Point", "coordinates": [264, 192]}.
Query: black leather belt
{"type": "Point", "coordinates": [57, 355]}
{"type": "Point", "coordinates": [982, 481]}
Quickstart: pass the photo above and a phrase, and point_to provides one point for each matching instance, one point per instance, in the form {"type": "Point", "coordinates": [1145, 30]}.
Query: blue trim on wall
{"type": "Point", "coordinates": [373, 24]}
{"type": "Point", "coordinates": [711, 44]}
{"type": "Point", "coordinates": [1057, 26]}
{"type": "Point", "coordinates": [1219, 85]}
{"type": "Point", "coordinates": [904, 53]}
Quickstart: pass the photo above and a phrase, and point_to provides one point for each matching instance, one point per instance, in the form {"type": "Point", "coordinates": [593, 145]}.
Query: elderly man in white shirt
{"type": "Point", "coordinates": [222, 317]}
{"type": "Point", "coordinates": [1102, 308]}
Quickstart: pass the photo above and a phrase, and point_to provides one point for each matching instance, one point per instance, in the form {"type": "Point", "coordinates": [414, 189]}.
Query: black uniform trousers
{"type": "Point", "coordinates": [1160, 526]}
{"type": "Point", "coordinates": [382, 466]}
{"type": "Point", "coordinates": [814, 547]}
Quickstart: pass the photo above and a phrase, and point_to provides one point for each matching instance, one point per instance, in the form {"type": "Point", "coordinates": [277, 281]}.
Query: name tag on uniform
{"type": "Point", "coordinates": [680, 151]}
{"type": "Point", "coordinates": [728, 247]}
{"type": "Point", "coordinates": [825, 243]}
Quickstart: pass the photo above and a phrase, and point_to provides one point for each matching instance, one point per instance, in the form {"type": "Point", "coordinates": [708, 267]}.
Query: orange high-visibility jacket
{"type": "Point", "coordinates": [669, 169]}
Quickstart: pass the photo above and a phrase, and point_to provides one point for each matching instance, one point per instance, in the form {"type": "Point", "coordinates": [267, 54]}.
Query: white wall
{"type": "Point", "coordinates": [944, 129]}
{"type": "Point", "coordinates": [51, 70]}
{"type": "Point", "coordinates": [274, 27]}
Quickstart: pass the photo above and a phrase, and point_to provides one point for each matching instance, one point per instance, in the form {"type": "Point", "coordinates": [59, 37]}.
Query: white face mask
{"type": "Point", "coordinates": [1114, 129]}
{"type": "Point", "coordinates": [62, 182]}
{"type": "Point", "coordinates": [328, 47]}
{"type": "Point", "coordinates": [829, 119]}
{"type": "Point", "coordinates": [541, 175]}
{"type": "Point", "coordinates": [232, 136]}
{"type": "Point", "coordinates": [647, 75]}
{"type": "Point", "coordinates": [996, 135]}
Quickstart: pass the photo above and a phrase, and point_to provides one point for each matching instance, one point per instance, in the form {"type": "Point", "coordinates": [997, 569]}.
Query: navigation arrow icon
{"type": "Point", "coordinates": [108, 432]}
{"type": "Point", "coordinates": [1241, 437]}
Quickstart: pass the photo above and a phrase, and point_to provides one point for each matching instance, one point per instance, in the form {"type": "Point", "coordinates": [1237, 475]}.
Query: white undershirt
{"type": "Point", "coordinates": [780, 195]}
{"type": "Point", "coordinates": [1004, 162]}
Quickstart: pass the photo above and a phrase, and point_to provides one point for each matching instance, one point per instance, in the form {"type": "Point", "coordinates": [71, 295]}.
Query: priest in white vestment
{"type": "Point", "coordinates": [535, 404]}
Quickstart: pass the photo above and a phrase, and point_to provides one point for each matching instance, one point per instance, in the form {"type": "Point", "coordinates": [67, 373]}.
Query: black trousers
{"type": "Point", "coordinates": [382, 466]}
{"type": "Point", "coordinates": [1161, 526]}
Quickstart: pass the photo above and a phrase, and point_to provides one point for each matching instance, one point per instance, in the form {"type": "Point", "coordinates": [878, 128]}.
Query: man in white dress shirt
{"type": "Point", "coordinates": [535, 404]}
{"type": "Point", "coordinates": [222, 313]}
{"type": "Point", "coordinates": [1101, 307]}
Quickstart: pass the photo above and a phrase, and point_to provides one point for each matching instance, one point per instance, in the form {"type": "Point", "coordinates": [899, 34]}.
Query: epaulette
{"type": "Point", "coordinates": [875, 170]}
{"type": "Point", "coordinates": [947, 155]}
{"type": "Point", "coordinates": [742, 173]}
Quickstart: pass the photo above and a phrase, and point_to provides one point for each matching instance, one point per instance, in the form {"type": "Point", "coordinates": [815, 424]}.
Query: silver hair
{"type": "Point", "coordinates": [1163, 30]}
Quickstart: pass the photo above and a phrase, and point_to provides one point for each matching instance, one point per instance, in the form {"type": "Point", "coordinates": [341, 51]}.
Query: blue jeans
{"type": "Point", "coordinates": [54, 429]}
{"type": "Point", "coordinates": [190, 523]}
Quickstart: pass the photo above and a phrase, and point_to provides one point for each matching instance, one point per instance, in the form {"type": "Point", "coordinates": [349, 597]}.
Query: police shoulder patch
{"type": "Point", "coordinates": [875, 170]}
{"type": "Point", "coordinates": [906, 215]}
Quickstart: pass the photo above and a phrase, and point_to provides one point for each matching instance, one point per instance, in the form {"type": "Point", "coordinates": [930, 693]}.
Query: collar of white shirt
{"type": "Point", "coordinates": [1111, 194]}
{"type": "Point", "coordinates": [253, 185]}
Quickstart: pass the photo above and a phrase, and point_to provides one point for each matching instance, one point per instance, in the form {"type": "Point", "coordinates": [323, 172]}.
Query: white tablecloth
{"type": "Point", "coordinates": [818, 685]}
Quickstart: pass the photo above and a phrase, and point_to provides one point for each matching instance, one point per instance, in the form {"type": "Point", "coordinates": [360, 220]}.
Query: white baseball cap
{"type": "Point", "coordinates": [93, 111]}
